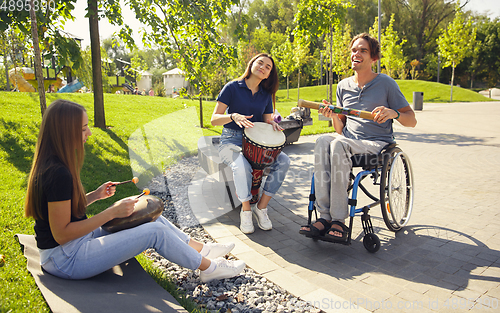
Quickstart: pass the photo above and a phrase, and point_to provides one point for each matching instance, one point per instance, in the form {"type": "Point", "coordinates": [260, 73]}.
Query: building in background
{"type": "Point", "coordinates": [174, 79]}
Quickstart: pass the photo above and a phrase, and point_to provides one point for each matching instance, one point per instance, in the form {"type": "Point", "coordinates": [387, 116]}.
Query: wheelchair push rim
{"type": "Point", "coordinates": [396, 190]}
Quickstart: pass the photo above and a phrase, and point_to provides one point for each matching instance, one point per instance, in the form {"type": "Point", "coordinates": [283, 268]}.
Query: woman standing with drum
{"type": "Point", "coordinates": [73, 246]}
{"type": "Point", "coordinates": [247, 100]}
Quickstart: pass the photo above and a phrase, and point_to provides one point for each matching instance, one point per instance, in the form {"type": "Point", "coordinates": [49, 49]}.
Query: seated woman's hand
{"type": "Point", "coordinates": [242, 120]}
{"type": "Point", "coordinates": [123, 207]}
{"type": "Point", "coordinates": [276, 126]}
{"type": "Point", "coordinates": [106, 190]}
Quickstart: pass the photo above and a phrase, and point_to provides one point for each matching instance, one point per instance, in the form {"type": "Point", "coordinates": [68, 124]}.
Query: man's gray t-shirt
{"type": "Point", "coordinates": [381, 91]}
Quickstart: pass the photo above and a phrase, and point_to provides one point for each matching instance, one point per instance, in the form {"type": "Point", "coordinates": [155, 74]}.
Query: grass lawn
{"type": "Point", "coordinates": [433, 92]}
{"type": "Point", "coordinates": [107, 158]}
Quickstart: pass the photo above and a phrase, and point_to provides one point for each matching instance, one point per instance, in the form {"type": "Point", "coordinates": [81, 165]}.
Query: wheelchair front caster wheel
{"type": "Point", "coordinates": [371, 242]}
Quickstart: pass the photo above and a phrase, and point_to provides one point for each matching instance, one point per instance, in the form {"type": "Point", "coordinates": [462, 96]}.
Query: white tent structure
{"type": "Point", "coordinates": [174, 79]}
{"type": "Point", "coordinates": [146, 82]}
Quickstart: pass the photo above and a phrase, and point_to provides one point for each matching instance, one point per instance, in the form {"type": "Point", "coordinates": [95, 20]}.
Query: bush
{"type": "Point", "coordinates": [3, 79]}
{"type": "Point", "coordinates": [159, 89]}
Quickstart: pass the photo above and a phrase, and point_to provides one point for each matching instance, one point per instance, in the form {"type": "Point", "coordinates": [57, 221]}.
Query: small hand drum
{"type": "Point", "coordinates": [147, 209]}
{"type": "Point", "coordinates": [261, 146]}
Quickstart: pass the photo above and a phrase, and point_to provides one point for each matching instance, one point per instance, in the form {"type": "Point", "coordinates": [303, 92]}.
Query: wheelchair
{"type": "Point", "coordinates": [391, 171]}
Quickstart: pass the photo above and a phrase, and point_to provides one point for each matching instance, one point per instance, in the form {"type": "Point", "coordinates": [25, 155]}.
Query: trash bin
{"type": "Point", "coordinates": [418, 100]}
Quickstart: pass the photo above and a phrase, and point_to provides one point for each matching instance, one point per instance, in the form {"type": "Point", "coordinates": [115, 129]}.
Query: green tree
{"type": "Point", "coordinates": [361, 15]}
{"type": "Point", "coordinates": [490, 48]}
{"type": "Point", "coordinates": [420, 22]}
{"type": "Point", "coordinates": [455, 43]}
{"type": "Point", "coordinates": [283, 54]}
{"type": "Point", "coordinates": [392, 50]}
{"type": "Point", "coordinates": [486, 56]}
{"type": "Point", "coordinates": [341, 54]}
{"type": "Point", "coordinates": [263, 40]}
{"type": "Point", "coordinates": [275, 15]}
{"type": "Point", "coordinates": [317, 18]}
{"type": "Point", "coordinates": [300, 57]}
{"type": "Point", "coordinates": [193, 28]}
{"type": "Point", "coordinates": [39, 21]}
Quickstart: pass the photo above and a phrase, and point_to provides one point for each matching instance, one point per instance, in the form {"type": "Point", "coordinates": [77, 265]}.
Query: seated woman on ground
{"type": "Point", "coordinates": [73, 246]}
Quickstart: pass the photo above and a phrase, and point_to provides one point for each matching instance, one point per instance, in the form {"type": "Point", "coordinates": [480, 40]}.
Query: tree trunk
{"type": "Point", "coordinates": [7, 87]}
{"type": "Point", "coordinates": [288, 86]}
{"type": "Point", "coordinates": [95, 47]}
{"type": "Point", "coordinates": [320, 82]}
{"type": "Point", "coordinates": [327, 84]}
{"type": "Point", "coordinates": [331, 65]}
{"type": "Point", "coordinates": [452, 78]}
{"type": "Point", "coordinates": [298, 87]}
{"type": "Point", "coordinates": [38, 61]}
{"type": "Point", "coordinates": [201, 112]}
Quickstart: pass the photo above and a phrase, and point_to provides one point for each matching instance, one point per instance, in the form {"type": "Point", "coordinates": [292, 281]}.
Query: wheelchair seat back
{"type": "Point", "coordinates": [369, 161]}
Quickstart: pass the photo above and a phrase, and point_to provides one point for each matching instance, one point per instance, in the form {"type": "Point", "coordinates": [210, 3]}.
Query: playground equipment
{"type": "Point", "coordinates": [18, 77]}
{"type": "Point", "coordinates": [24, 80]}
{"type": "Point", "coordinates": [71, 87]}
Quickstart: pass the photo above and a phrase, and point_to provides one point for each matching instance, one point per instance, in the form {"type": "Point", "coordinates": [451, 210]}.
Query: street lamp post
{"type": "Point", "coordinates": [379, 39]}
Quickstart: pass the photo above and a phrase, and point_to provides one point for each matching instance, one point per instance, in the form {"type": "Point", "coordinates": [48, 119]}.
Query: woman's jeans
{"type": "Point", "coordinates": [230, 145]}
{"type": "Point", "coordinates": [100, 250]}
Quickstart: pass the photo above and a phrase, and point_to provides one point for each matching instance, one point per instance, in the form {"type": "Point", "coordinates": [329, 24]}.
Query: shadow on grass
{"type": "Point", "coordinates": [18, 148]}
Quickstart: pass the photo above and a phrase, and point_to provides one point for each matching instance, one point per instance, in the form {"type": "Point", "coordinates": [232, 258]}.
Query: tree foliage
{"type": "Point", "coordinates": [393, 59]}
{"type": "Point", "coordinates": [300, 57]}
{"type": "Point", "coordinates": [317, 18]}
{"type": "Point", "coordinates": [341, 55]}
{"type": "Point", "coordinates": [420, 21]}
{"type": "Point", "coordinates": [50, 16]}
{"type": "Point", "coordinates": [189, 31]}
{"type": "Point", "coordinates": [455, 43]}
{"type": "Point", "coordinates": [284, 57]}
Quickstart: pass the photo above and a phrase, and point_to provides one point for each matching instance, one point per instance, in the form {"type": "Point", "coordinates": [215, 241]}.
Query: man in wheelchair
{"type": "Point", "coordinates": [368, 91]}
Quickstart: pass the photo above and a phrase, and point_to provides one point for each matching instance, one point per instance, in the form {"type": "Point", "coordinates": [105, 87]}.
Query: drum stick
{"type": "Point", "coordinates": [144, 192]}
{"type": "Point", "coordinates": [335, 109]}
{"type": "Point", "coordinates": [134, 180]}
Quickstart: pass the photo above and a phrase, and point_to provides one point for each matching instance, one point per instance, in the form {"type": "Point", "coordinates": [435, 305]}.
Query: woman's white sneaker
{"type": "Point", "coordinates": [224, 269]}
{"type": "Point", "coordinates": [219, 249]}
{"type": "Point", "coordinates": [246, 223]}
{"type": "Point", "coordinates": [262, 219]}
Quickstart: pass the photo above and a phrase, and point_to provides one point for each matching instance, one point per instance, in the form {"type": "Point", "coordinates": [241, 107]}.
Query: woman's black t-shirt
{"type": "Point", "coordinates": [57, 185]}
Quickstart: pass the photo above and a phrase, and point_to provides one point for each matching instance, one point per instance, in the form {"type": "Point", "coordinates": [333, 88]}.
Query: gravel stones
{"type": "Point", "coordinates": [247, 293]}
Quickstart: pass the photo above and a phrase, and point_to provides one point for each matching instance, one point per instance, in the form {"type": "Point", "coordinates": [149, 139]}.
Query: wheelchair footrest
{"type": "Point", "coordinates": [323, 238]}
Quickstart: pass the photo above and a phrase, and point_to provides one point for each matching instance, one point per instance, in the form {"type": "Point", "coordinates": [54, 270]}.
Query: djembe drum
{"type": "Point", "coordinates": [147, 209]}
{"type": "Point", "coordinates": [261, 146]}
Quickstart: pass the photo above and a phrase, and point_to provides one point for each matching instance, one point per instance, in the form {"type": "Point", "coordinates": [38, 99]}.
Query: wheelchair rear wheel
{"type": "Point", "coordinates": [396, 189]}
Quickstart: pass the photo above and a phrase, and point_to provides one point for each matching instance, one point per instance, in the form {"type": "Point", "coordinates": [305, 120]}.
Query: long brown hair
{"type": "Point", "coordinates": [60, 136]}
{"type": "Point", "coordinates": [270, 84]}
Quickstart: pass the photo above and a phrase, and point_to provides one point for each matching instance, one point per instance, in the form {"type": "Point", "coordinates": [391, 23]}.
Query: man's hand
{"type": "Point", "coordinates": [383, 114]}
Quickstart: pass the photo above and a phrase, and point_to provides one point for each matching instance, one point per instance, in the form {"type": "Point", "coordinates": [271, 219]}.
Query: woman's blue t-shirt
{"type": "Point", "coordinates": [239, 99]}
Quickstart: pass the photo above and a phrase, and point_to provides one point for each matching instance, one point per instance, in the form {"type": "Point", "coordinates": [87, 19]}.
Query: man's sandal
{"type": "Point", "coordinates": [315, 232]}
{"type": "Point", "coordinates": [344, 232]}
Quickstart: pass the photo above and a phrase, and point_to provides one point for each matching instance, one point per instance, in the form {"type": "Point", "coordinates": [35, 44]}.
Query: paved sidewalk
{"type": "Point", "coordinates": [446, 260]}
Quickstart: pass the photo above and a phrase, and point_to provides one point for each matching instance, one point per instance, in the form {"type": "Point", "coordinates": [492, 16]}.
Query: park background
{"type": "Point", "coordinates": [232, 33]}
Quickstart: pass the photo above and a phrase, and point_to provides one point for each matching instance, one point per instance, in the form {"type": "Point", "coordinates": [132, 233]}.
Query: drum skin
{"type": "Point", "coordinates": [147, 209]}
{"type": "Point", "coordinates": [262, 144]}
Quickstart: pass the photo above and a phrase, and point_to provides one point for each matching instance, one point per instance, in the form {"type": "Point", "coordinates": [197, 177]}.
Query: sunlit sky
{"type": "Point", "coordinates": [80, 27]}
